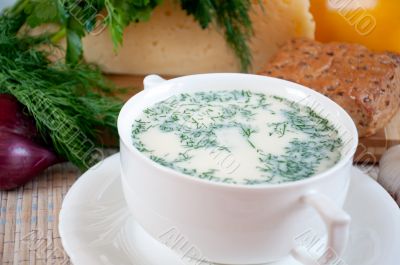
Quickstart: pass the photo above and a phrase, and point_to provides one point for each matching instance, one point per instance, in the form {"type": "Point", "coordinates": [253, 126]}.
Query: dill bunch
{"type": "Point", "coordinates": [70, 104]}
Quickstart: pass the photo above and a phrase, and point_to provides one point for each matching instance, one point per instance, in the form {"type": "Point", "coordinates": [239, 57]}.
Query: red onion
{"type": "Point", "coordinates": [21, 160]}
{"type": "Point", "coordinates": [13, 119]}
{"type": "Point", "coordinates": [22, 156]}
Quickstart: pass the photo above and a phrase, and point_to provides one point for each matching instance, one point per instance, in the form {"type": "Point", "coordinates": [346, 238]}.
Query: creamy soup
{"type": "Point", "coordinates": [237, 137]}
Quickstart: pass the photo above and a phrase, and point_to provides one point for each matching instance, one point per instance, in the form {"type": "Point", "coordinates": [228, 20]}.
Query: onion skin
{"type": "Point", "coordinates": [21, 160]}
{"type": "Point", "coordinates": [22, 155]}
{"type": "Point", "coordinates": [13, 119]}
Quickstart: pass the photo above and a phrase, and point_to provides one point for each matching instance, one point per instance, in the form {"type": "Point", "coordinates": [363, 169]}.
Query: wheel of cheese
{"type": "Point", "coordinates": [173, 43]}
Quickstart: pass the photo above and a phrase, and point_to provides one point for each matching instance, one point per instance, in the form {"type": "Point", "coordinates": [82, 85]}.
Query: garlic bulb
{"type": "Point", "coordinates": [389, 172]}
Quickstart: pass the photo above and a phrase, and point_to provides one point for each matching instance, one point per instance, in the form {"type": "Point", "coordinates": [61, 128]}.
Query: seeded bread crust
{"type": "Point", "coordinates": [366, 84]}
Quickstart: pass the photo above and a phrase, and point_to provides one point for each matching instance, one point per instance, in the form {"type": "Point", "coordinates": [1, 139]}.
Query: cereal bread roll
{"type": "Point", "coordinates": [365, 83]}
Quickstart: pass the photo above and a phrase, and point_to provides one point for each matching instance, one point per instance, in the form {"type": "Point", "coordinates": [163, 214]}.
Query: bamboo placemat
{"type": "Point", "coordinates": [29, 219]}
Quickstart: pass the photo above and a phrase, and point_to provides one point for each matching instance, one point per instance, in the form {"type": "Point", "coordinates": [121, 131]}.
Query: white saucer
{"type": "Point", "coordinates": [96, 227]}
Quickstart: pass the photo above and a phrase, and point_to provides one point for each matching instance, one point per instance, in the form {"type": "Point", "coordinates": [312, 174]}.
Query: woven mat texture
{"type": "Point", "coordinates": [29, 219]}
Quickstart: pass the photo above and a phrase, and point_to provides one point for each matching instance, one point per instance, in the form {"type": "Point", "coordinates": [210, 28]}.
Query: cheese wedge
{"type": "Point", "coordinates": [173, 43]}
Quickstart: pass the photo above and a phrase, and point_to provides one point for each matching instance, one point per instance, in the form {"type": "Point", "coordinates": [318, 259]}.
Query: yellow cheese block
{"type": "Point", "coordinates": [172, 43]}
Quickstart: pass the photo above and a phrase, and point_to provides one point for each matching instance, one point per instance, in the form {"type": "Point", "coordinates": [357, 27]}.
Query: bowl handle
{"type": "Point", "coordinates": [152, 80]}
{"type": "Point", "coordinates": [337, 224]}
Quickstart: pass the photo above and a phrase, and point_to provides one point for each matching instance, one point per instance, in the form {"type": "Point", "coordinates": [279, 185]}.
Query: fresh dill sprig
{"type": "Point", "coordinates": [69, 104]}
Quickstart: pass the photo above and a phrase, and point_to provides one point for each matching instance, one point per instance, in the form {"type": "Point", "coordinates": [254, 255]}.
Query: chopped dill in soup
{"type": "Point", "coordinates": [237, 137]}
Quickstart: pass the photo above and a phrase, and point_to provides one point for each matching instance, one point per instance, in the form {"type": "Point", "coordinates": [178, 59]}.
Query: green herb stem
{"type": "Point", "coordinates": [58, 36]}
